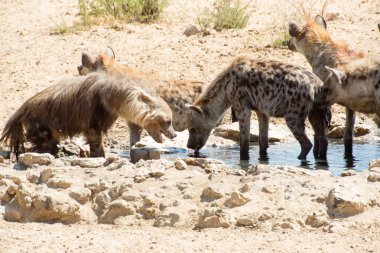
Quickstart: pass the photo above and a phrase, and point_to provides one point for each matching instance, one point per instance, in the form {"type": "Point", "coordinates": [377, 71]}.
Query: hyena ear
{"type": "Point", "coordinates": [197, 109]}
{"type": "Point", "coordinates": [146, 98]}
{"type": "Point", "coordinates": [336, 74]}
{"type": "Point", "coordinates": [294, 28]}
{"type": "Point", "coordinates": [109, 52]}
{"type": "Point", "coordinates": [320, 21]}
{"type": "Point", "coordinates": [87, 60]}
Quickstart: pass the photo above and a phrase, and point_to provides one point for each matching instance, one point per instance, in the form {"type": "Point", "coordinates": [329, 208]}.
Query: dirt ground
{"type": "Point", "coordinates": [32, 58]}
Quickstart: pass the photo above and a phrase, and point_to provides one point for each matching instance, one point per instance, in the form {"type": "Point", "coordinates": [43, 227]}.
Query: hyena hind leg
{"type": "Point", "coordinates": [348, 136]}
{"type": "Point", "coordinates": [263, 133]}
{"type": "Point", "coordinates": [244, 125]}
{"type": "Point", "coordinates": [297, 127]}
{"type": "Point", "coordinates": [95, 140]}
{"type": "Point", "coordinates": [319, 122]}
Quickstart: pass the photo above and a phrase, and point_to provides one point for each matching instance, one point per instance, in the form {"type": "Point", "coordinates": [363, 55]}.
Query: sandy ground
{"type": "Point", "coordinates": [31, 59]}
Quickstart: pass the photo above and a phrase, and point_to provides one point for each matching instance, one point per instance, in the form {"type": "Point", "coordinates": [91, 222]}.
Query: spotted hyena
{"type": "Point", "coordinates": [270, 88]}
{"type": "Point", "coordinates": [316, 44]}
{"type": "Point", "coordinates": [177, 93]}
{"type": "Point", "coordinates": [355, 85]}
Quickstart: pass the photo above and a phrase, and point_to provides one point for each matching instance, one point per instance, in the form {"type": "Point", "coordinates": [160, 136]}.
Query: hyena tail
{"type": "Point", "coordinates": [14, 134]}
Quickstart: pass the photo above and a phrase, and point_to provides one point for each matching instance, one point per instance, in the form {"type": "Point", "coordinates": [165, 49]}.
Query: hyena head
{"type": "Point", "coordinates": [305, 38]}
{"type": "Point", "coordinates": [332, 88]}
{"type": "Point", "coordinates": [199, 128]}
{"type": "Point", "coordinates": [90, 64]}
{"type": "Point", "coordinates": [158, 120]}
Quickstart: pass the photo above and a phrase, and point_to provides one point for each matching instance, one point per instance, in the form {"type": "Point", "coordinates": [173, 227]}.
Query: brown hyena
{"type": "Point", "coordinates": [270, 88]}
{"type": "Point", "coordinates": [355, 85]}
{"type": "Point", "coordinates": [315, 43]}
{"type": "Point", "coordinates": [87, 105]}
{"type": "Point", "coordinates": [177, 93]}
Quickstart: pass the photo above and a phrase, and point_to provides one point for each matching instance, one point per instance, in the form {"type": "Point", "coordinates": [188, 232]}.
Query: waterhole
{"type": "Point", "coordinates": [286, 153]}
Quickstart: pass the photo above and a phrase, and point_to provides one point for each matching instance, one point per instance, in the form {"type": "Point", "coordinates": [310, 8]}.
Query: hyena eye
{"type": "Point", "coordinates": [168, 122]}
{"type": "Point", "coordinates": [193, 130]}
{"type": "Point", "coordinates": [327, 91]}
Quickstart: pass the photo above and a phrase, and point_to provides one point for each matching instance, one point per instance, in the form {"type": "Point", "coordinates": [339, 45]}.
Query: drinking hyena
{"type": "Point", "coordinates": [315, 43]}
{"type": "Point", "coordinates": [270, 88]}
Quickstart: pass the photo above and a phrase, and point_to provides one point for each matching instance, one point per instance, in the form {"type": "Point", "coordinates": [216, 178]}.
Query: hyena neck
{"type": "Point", "coordinates": [321, 58]}
{"type": "Point", "coordinates": [214, 102]}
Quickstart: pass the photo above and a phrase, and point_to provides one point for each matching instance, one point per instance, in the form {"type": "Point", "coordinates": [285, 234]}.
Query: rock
{"type": "Point", "coordinates": [111, 159]}
{"type": "Point", "coordinates": [28, 159]}
{"type": "Point", "coordinates": [59, 182]}
{"type": "Point", "coordinates": [101, 200]}
{"type": "Point", "coordinates": [80, 194]}
{"type": "Point", "coordinates": [236, 199]}
{"type": "Point", "coordinates": [348, 173]}
{"type": "Point", "coordinates": [265, 216]}
{"type": "Point", "coordinates": [45, 175]}
{"type": "Point", "coordinates": [231, 131]}
{"type": "Point", "coordinates": [40, 204]}
{"type": "Point", "coordinates": [338, 130]}
{"type": "Point", "coordinates": [138, 154]}
{"type": "Point", "coordinates": [316, 221]}
{"type": "Point", "coordinates": [213, 218]}
{"type": "Point", "coordinates": [347, 200]}
{"type": "Point", "coordinates": [146, 169]}
{"type": "Point", "coordinates": [191, 30]}
{"type": "Point", "coordinates": [88, 162]}
{"type": "Point", "coordinates": [245, 221]}
{"type": "Point", "coordinates": [97, 185]}
{"type": "Point", "coordinates": [166, 220]}
{"type": "Point", "coordinates": [33, 176]}
{"type": "Point", "coordinates": [1, 159]}
{"type": "Point", "coordinates": [373, 177]}
{"type": "Point", "coordinates": [374, 163]}
{"type": "Point", "coordinates": [118, 164]}
{"type": "Point", "coordinates": [245, 188]}
{"type": "Point", "coordinates": [211, 193]}
{"type": "Point", "coordinates": [269, 189]}
{"type": "Point", "coordinates": [179, 164]}
{"type": "Point", "coordinates": [116, 209]}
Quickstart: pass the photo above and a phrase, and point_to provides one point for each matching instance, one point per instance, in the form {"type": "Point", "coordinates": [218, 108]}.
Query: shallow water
{"type": "Point", "coordinates": [286, 154]}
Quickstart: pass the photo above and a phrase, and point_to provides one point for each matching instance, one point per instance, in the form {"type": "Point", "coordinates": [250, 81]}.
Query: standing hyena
{"type": "Point", "coordinates": [314, 42]}
{"type": "Point", "coordinates": [355, 85]}
{"type": "Point", "coordinates": [270, 88]}
{"type": "Point", "coordinates": [86, 105]}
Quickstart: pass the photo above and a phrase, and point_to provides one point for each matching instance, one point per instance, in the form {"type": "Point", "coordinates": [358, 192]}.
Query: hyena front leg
{"type": "Point", "coordinates": [95, 140]}
{"type": "Point", "coordinates": [297, 126]}
{"type": "Point", "coordinates": [348, 136]}
{"type": "Point", "coordinates": [134, 133]}
{"type": "Point", "coordinates": [263, 133]}
{"type": "Point", "coordinates": [243, 115]}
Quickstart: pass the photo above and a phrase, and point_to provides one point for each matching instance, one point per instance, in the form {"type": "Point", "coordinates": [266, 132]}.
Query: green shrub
{"type": "Point", "coordinates": [226, 14]}
{"type": "Point", "coordinates": [120, 10]}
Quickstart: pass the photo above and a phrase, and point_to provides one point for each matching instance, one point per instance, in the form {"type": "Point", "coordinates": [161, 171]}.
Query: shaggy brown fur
{"type": "Point", "coordinates": [177, 93]}
{"type": "Point", "coordinates": [87, 105]}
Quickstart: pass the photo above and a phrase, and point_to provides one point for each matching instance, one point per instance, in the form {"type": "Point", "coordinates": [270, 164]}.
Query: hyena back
{"type": "Point", "coordinates": [316, 44]}
{"type": "Point", "coordinates": [270, 88]}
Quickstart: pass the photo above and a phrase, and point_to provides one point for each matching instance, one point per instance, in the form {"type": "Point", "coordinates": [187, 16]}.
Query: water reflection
{"type": "Point", "coordinates": [286, 154]}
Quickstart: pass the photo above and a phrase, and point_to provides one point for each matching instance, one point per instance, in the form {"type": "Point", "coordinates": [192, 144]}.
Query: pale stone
{"type": "Point", "coordinates": [37, 203]}
{"type": "Point", "coordinates": [46, 174]}
{"type": "Point", "coordinates": [374, 163]}
{"type": "Point", "coordinates": [269, 189]}
{"type": "Point", "coordinates": [88, 162]}
{"type": "Point", "coordinates": [179, 164]}
{"type": "Point", "coordinates": [59, 182]}
{"type": "Point", "coordinates": [97, 185]}
{"type": "Point", "coordinates": [80, 194]}
{"type": "Point", "coordinates": [213, 218]}
{"type": "Point", "coordinates": [245, 188]}
{"type": "Point", "coordinates": [116, 209]}
{"type": "Point", "coordinates": [265, 216]}
{"type": "Point", "coordinates": [316, 221]}
{"type": "Point", "coordinates": [33, 176]}
{"type": "Point", "coordinates": [245, 221]}
{"type": "Point", "coordinates": [166, 220]}
{"type": "Point", "coordinates": [373, 177]}
{"type": "Point", "coordinates": [211, 193]}
{"type": "Point", "coordinates": [138, 154]}
{"type": "Point", "coordinates": [236, 199]}
{"type": "Point", "coordinates": [29, 159]}
{"type": "Point", "coordinates": [191, 30]}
